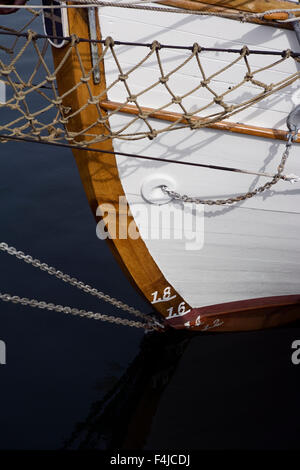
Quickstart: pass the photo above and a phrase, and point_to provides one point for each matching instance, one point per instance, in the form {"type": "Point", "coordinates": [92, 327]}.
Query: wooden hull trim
{"type": "Point", "coordinates": [278, 134]}
{"type": "Point", "coordinates": [250, 314]}
{"type": "Point", "coordinates": [100, 178]}
{"type": "Point", "coordinates": [102, 184]}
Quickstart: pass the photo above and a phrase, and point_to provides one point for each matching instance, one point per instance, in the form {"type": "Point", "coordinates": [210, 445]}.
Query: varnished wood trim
{"type": "Point", "coordinates": [252, 314]}
{"type": "Point", "coordinates": [100, 178]}
{"type": "Point", "coordinates": [221, 125]}
{"type": "Point", "coordinates": [253, 6]}
{"type": "Point", "coordinates": [276, 16]}
{"type": "Point", "coordinates": [99, 172]}
{"type": "Point", "coordinates": [224, 7]}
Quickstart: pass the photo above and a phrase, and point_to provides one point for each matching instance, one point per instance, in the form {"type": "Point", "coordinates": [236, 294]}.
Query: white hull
{"type": "Point", "coordinates": [250, 250]}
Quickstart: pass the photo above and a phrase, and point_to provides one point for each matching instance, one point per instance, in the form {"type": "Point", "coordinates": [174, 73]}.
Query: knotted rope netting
{"type": "Point", "coordinates": [33, 107]}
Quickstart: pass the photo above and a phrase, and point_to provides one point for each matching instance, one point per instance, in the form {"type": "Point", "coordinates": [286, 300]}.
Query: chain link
{"type": "Point", "coordinates": [150, 326]}
{"type": "Point", "coordinates": [149, 323]}
{"type": "Point", "coordinates": [220, 202]}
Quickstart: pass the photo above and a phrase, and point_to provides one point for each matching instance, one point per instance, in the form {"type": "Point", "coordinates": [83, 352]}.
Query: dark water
{"type": "Point", "coordinates": [77, 383]}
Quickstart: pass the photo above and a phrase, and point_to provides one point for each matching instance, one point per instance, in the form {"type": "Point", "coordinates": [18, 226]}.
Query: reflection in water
{"type": "Point", "coordinates": [122, 419]}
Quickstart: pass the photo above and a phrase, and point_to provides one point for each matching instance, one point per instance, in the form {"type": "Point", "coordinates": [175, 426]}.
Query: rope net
{"type": "Point", "coordinates": [33, 107]}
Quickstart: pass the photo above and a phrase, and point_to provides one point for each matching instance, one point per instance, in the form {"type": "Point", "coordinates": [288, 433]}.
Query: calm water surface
{"type": "Point", "coordinates": [76, 383]}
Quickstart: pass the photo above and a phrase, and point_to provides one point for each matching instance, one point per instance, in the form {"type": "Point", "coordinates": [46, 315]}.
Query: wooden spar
{"type": "Point", "coordinates": [221, 125]}
{"type": "Point", "coordinates": [252, 6]}
{"type": "Point", "coordinates": [233, 6]}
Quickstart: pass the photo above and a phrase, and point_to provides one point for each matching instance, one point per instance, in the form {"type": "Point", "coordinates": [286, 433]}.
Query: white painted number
{"type": "Point", "coordinates": [215, 324]}
{"type": "Point", "coordinates": [166, 297]}
{"type": "Point", "coordinates": [180, 311]}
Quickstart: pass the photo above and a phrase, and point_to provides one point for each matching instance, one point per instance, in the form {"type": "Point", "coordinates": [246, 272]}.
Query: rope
{"type": "Point", "coordinates": [139, 5]}
{"type": "Point", "coordinates": [34, 125]}
{"type": "Point", "coordinates": [291, 178]}
{"type": "Point", "coordinates": [147, 324]}
{"type": "Point", "coordinates": [36, 36]}
{"type": "Point", "coordinates": [50, 122]}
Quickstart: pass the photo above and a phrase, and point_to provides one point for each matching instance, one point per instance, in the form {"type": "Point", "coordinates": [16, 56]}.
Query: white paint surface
{"type": "Point", "coordinates": [252, 249]}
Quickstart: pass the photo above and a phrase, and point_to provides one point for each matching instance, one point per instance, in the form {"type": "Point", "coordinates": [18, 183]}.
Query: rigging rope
{"type": "Point", "coordinates": [139, 5]}
{"type": "Point", "coordinates": [27, 123]}
{"type": "Point", "coordinates": [217, 106]}
{"type": "Point", "coordinates": [30, 125]}
{"type": "Point", "coordinates": [35, 36]}
{"type": "Point", "coordinates": [291, 177]}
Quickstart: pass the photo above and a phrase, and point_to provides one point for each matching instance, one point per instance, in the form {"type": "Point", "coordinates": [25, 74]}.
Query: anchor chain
{"type": "Point", "coordinates": [148, 323]}
{"type": "Point", "coordinates": [293, 124]}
